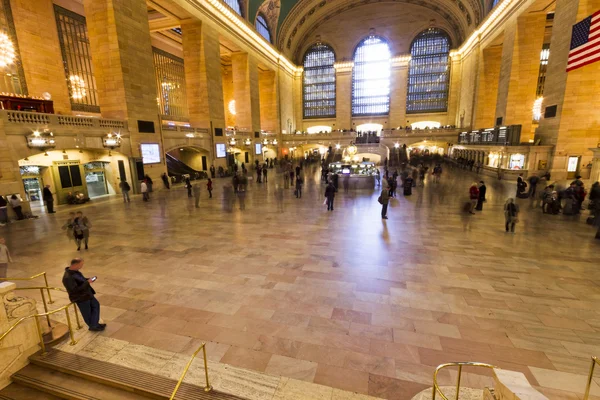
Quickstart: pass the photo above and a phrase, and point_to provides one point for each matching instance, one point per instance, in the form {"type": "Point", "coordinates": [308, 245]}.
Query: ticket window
{"type": "Point", "coordinates": [517, 161]}
{"type": "Point", "coordinates": [573, 167]}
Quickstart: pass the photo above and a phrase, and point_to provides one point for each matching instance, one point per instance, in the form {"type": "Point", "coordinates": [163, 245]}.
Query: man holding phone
{"type": "Point", "coordinates": [81, 292]}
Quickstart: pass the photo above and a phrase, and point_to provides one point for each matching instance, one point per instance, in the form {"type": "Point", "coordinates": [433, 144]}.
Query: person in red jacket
{"type": "Point", "coordinates": [473, 196]}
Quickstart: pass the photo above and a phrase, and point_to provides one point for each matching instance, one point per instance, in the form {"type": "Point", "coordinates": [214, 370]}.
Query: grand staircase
{"type": "Point", "coordinates": [62, 375]}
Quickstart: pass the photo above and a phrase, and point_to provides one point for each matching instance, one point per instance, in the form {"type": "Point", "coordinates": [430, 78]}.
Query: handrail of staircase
{"type": "Point", "coordinates": [436, 387]}
{"type": "Point", "coordinates": [48, 289]}
{"type": "Point", "coordinates": [47, 314]}
{"type": "Point", "coordinates": [590, 377]}
{"type": "Point", "coordinates": [207, 388]}
{"type": "Point", "coordinates": [50, 301]}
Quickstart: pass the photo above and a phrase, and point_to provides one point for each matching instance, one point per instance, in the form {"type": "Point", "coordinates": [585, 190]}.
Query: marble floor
{"type": "Point", "coordinates": [341, 299]}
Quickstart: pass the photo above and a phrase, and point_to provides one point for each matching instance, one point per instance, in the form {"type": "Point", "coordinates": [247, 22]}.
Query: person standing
{"type": "Point", "coordinates": [15, 203]}
{"type": "Point", "coordinates": [299, 187]}
{"type": "Point", "coordinates": [242, 198]}
{"type": "Point", "coordinates": [511, 214]}
{"type": "Point", "coordinates": [81, 293]}
{"type": "Point", "coordinates": [196, 190]}
{"type": "Point", "coordinates": [265, 172]}
{"type": "Point", "coordinates": [125, 188]}
{"type": "Point", "coordinates": [48, 199]}
{"type": "Point", "coordinates": [81, 230]}
{"type": "Point", "coordinates": [521, 186]}
{"type": "Point", "coordinates": [384, 200]}
{"type": "Point", "coordinates": [4, 258]}
{"type": "Point", "coordinates": [3, 211]}
{"type": "Point", "coordinates": [165, 180]}
{"type": "Point", "coordinates": [279, 197]}
{"type": "Point", "coordinates": [330, 195]}
{"type": "Point", "coordinates": [258, 174]}
{"type": "Point", "coordinates": [481, 198]}
{"type": "Point", "coordinates": [474, 197]}
{"type": "Point", "coordinates": [286, 180]}
{"type": "Point", "coordinates": [188, 186]}
{"type": "Point", "coordinates": [144, 188]}
{"type": "Point", "coordinates": [149, 182]}
{"type": "Point", "coordinates": [209, 188]}
{"type": "Point", "coordinates": [533, 181]}
{"type": "Point", "coordinates": [212, 171]}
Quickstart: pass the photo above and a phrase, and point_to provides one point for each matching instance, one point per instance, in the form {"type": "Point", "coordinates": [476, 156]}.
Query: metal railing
{"type": "Point", "coordinates": [207, 388]}
{"type": "Point", "coordinates": [50, 301]}
{"type": "Point", "coordinates": [47, 314]}
{"type": "Point", "coordinates": [590, 377]}
{"type": "Point", "coordinates": [436, 387]}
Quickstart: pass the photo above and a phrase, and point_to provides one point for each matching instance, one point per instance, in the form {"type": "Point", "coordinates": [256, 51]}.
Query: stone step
{"type": "Point", "coordinates": [14, 391]}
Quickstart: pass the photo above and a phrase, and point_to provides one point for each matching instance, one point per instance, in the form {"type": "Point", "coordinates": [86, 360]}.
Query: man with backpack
{"type": "Point", "coordinates": [125, 188]}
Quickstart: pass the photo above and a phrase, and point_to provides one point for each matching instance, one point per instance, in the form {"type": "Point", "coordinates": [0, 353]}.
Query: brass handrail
{"type": "Point", "coordinates": [50, 301]}
{"type": "Point", "coordinates": [591, 377]}
{"type": "Point", "coordinates": [207, 388]}
{"type": "Point", "coordinates": [47, 314]}
{"type": "Point", "coordinates": [47, 289]}
{"type": "Point", "coordinates": [436, 387]}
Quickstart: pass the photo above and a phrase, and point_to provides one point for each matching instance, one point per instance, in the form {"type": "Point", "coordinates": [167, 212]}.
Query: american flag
{"type": "Point", "coordinates": [585, 42]}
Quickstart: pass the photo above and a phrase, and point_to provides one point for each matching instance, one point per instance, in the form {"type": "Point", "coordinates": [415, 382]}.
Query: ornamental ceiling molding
{"type": "Point", "coordinates": [303, 13]}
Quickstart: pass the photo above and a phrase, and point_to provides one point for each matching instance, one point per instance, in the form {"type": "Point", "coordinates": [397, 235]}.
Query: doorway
{"type": "Point", "coordinates": [573, 167]}
{"type": "Point", "coordinates": [95, 179]}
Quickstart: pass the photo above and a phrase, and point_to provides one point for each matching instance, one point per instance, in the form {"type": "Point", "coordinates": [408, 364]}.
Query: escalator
{"type": "Point", "coordinates": [178, 170]}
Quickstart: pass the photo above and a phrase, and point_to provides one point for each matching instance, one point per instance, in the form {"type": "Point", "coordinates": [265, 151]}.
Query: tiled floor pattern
{"type": "Point", "coordinates": [341, 299]}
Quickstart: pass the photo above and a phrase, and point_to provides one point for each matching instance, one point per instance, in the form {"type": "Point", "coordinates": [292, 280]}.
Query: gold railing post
{"type": "Point", "coordinates": [458, 382]}
{"type": "Point", "coordinates": [207, 388]}
{"type": "Point", "coordinates": [50, 301]}
{"type": "Point", "coordinates": [76, 316]}
{"type": "Point", "coordinates": [434, 393]}
{"type": "Point", "coordinates": [590, 379]}
{"type": "Point", "coordinates": [73, 341]}
{"type": "Point", "coordinates": [39, 329]}
{"type": "Point", "coordinates": [45, 308]}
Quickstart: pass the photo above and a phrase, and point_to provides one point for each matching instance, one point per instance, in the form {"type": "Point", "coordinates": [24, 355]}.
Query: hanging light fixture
{"type": "Point", "coordinates": [248, 142]}
{"type": "Point", "coordinates": [7, 51]}
{"type": "Point", "coordinates": [41, 140]}
{"type": "Point", "coordinates": [112, 141]}
{"type": "Point", "coordinates": [78, 90]}
{"type": "Point", "coordinates": [274, 142]}
{"type": "Point", "coordinates": [232, 142]}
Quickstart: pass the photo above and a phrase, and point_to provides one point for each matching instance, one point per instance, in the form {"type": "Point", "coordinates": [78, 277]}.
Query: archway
{"type": "Point", "coordinates": [187, 161]}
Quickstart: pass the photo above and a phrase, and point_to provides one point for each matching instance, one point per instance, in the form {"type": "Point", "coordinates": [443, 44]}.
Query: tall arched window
{"type": "Point", "coordinates": [371, 77]}
{"type": "Point", "coordinates": [319, 82]}
{"type": "Point", "coordinates": [235, 6]}
{"type": "Point", "coordinates": [263, 28]}
{"type": "Point", "coordinates": [494, 2]}
{"type": "Point", "coordinates": [429, 72]}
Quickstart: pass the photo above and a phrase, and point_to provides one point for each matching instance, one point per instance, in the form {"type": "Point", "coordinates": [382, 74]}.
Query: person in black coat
{"type": "Point", "coordinates": [81, 292]}
{"type": "Point", "coordinates": [481, 198]}
{"type": "Point", "coordinates": [48, 199]}
{"type": "Point", "coordinates": [330, 195]}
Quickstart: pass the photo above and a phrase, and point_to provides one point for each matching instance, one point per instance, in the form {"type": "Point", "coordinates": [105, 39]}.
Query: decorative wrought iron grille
{"type": "Point", "coordinates": [371, 77]}
{"type": "Point", "coordinates": [544, 57]}
{"type": "Point", "coordinates": [235, 6]}
{"type": "Point", "coordinates": [170, 84]}
{"type": "Point", "coordinates": [263, 28]}
{"type": "Point", "coordinates": [319, 82]}
{"type": "Point", "coordinates": [429, 73]}
{"type": "Point", "coordinates": [77, 60]}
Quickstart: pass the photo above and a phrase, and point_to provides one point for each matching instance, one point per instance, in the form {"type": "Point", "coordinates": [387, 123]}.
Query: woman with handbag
{"type": "Point", "coordinates": [511, 214]}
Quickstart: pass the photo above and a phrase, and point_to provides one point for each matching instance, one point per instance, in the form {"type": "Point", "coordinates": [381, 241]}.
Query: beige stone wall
{"type": "Point", "coordinates": [343, 100]}
{"type": "Point", "coordinates": [40, 51]}
{"type": "Point", "coordinates": [245, 90]}
{"type": "Point", "coordinates": [487, 88]}
{"type": "Point", "coordinates": [269, 111]}
{"type": "Point", "coordinates": [398, 91]}
{"type": "Point", "coordinates": [228, 96]}
{"type": "Point", "coordinates": [286, 102]}
{"type": "Point", "coordinates": [468, 87]}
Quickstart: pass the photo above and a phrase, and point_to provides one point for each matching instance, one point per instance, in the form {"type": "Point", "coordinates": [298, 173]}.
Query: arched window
{"type": "Point", "coordinates": [263, 28]}
{"type": "Point", "coordinates": [371, 77]}
{"type": "Point", "coordinates": [319, 82]}
{"type": "Point", "coordinates": [235, 6]}
{"type": "Point", "coordinates": [429, 72]}
{"type": "Point", "coordinates": [495, 2]}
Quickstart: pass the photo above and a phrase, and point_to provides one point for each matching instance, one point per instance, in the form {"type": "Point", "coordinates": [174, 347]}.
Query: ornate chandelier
{"type": "Point", "coordinates": [78, 90]}
{"type": "Point", "coordinates": [7, 51]}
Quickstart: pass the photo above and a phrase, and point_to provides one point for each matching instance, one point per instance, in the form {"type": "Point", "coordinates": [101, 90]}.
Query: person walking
{"type": "Point", "coordinates": [241, 194]}
{"type": "Point", "coordinates": [196, 190]}
{"type": "Point", "coordinates": [265, 172]}
{"type": "Point", "coordinates": [3, 211]}
{"type": "Point", "coordinates": [81, 293]}
{"type": "Point", "coordinates": [144, 188]}
{"type": "Point", "coordinates": [4, 258]}
{"type": "Point", "coordinates": [165, 180]}
{"type": "Point", "coordinates": [384, 200]}
{"type": "Point", "coordinates": [15, 203]}
{"type": "Point", "coordinates": [511, 214]}
{"type": "Point", "coordinates": [188, 186]}
{"type": "Point", "coordinates": [81, 230]}
{"type": "Point", "coordinates": [48, 199]}
{"type": "Point", "coordinates": [125, 188]}
{"type": "Point", "coordinates": [533, 182]}
{"type": "Point", "coordinates": [481, 198]}
{"type": "Point", "coordinates": [279, 197]}
{"type": "Point", "coordinates": [299, 183]}
{"type": "Point", "coordinates": [212, 171]}
{"type": "Point", "coordinates": [149, 182]}
{"type": "Point", "coordinates": [474, 197]}
{"type": "Point", "coordinates": [330, 195]}
{"type": "Point", "coordinates": [209, 188]}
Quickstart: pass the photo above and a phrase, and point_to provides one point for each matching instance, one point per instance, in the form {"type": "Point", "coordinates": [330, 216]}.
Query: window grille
{"type": "Point", "coordinates": [77, 60]}
{"type": "Point", "coordinates": [429, 73]}
{"type": "Point", "coordinates": [170, 84]}
{"type": "Point", "coordinates": [319, 82]}
{"type": "Point", "coordinates": [544, 57]}
{"type": "Point", "coordinates": [235, 6]}
{"type": "Point", "coordinates": [263, 28]}
{"type": "Point", "coordinates": [371, 77]}
{"type": "Point", "coordinates": [12, 78]}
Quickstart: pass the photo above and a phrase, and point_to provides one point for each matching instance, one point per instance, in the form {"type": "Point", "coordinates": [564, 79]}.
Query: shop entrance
{"type": "Point", "coordinates": [95, 179]}
{"type": "Point", "coordinates": [32, 182]}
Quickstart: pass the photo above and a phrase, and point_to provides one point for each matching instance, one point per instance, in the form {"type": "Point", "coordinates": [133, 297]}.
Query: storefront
{"type": "Point", "coordinates": [32, 182]}
{"type": "Point", "coordinates": [95, 179]}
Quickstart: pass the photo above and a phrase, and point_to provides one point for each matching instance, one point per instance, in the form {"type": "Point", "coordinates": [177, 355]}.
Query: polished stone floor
{"type": "Point", "coordinates": [341, 299]}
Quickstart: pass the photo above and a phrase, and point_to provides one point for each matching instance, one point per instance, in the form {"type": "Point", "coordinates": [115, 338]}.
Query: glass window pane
{"type": "Point", "coordinates": [170, 84]}
{"type": "Point", "coordinates": [429, 73]}
{"type": "Point", "coordinates": [371, 77]}
{"type": "Point", "coordinates": [319, 82]}
{"type": "Point", "coordinates": [235, 6]}
{"type": "Point", "coordinates": [262, 28]}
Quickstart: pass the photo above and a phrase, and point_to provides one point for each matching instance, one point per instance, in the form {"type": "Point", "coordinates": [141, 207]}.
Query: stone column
{"type": "Point", "coordinates": [343, 97]}
{"type": "Point", "coordinates": [487, 89]}
{"type": "Point", "coordinates": [246, 92]}
{"type": "Point", "coordinates": [124, 69]}
{"type": "Point", "coordinates": [40, 53]}
{"type": "Point", "coordinates": [398, 92]}
{"type": "Point", "coordinates": [269, 109]}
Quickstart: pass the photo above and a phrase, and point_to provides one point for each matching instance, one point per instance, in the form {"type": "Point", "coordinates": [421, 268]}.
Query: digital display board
{"type": "Point", "coordinates": [150, 153]}
{"type": "Point", "coordinates": [258, 148]}
{"type": "Point", "coordinates": [221, 150]}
